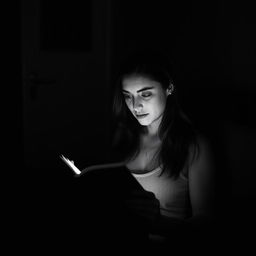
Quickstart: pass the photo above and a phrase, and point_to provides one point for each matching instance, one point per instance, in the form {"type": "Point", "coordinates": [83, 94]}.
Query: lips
{"type": "Point", "coordinates": [141, 115]}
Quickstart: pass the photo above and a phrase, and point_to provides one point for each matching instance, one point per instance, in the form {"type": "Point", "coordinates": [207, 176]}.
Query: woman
{"type": "Point", "coordinates": [159, 145]}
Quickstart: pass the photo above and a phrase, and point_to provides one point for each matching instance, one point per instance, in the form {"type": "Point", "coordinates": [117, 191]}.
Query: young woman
{"type": "Point", "coordinates": [159, 145]}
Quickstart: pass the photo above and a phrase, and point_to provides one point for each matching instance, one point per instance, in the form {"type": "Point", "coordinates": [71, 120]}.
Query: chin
{"type": "Point", "coordinates": [144, 122]}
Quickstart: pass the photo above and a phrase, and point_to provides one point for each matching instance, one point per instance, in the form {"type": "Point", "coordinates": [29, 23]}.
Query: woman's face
{"type": "Point", "coordinates": [145, 98]}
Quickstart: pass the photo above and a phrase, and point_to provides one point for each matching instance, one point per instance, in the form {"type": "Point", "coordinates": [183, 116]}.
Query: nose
{"type": "Point", "coordinates": [137, 106]}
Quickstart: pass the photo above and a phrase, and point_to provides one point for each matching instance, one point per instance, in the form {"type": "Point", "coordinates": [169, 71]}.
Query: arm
{"type": "Point", "coordinates": [201, 189]}
{"type": "Point", "coordinates": [202, 182]}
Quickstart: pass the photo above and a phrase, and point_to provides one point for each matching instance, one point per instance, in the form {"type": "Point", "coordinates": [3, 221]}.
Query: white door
{"type": "Point", "coordinates": [65, 82]}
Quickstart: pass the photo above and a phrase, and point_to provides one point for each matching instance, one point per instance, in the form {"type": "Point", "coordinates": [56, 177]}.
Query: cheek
{"type": "Point", "coordinates": [159, 106]}
{"type": "Point", "coordinates": [129, 105]}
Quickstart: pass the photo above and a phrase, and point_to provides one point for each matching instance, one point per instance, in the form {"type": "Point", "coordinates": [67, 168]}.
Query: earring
{"type": "Point", "coordinates": [170, 89]}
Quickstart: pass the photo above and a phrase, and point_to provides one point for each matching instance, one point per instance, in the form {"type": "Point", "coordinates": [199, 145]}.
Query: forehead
{"type": "Point", "coordinates": [134, 83]}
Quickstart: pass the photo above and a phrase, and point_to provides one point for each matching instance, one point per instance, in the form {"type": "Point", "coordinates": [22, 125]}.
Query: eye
{"type": "Point", "coordinates": [146, 94]}
{"type": "Point", "coordinates": [127, 96]}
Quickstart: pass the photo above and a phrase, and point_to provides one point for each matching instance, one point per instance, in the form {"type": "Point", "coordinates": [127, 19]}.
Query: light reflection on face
{"type": "Point", "coordinates": [144, 96]}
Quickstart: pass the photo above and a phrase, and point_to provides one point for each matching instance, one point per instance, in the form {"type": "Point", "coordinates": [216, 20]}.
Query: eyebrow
{"type": "Point", "coordinates": [143, 89]}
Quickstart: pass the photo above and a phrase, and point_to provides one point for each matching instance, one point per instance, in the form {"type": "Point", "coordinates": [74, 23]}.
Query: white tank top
{"type": "Point", "coordinates": [173, 195]}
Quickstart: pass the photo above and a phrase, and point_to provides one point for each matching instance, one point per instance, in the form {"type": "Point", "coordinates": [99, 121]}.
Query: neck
{"type": "Point", "coordinates": [153, 129]}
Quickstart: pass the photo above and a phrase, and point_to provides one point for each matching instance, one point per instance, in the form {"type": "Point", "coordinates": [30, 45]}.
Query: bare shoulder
{"type": "Point", "coordinates": [202, 151]}
{"type": "Point", "coordinates": [201, 175]}
{"type": "Point", "coordinates": [201, 165]}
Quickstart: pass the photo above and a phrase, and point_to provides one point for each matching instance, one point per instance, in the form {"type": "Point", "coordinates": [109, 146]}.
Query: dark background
{"type": "Point", "coordinates": [211, 43]}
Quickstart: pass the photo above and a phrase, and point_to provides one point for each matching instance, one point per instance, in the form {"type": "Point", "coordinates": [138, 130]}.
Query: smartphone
{"type": "Point", "coordinates": [70, 164]}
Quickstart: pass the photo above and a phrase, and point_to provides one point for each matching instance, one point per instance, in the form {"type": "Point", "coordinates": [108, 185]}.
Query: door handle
{"type": "Point", "coordinates": [34, 79]}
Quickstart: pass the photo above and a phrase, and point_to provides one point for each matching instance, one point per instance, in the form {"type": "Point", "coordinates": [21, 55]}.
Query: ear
{"type": "Point", "coordinates": [170, 89]}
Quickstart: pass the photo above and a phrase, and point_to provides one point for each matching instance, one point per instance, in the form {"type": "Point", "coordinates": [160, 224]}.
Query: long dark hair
{"type": "Point", "coordinates": [176, 131]}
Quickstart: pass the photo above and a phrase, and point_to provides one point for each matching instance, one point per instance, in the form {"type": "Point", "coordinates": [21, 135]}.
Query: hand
{"type": "Point", "coordinates": [144, 204]}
